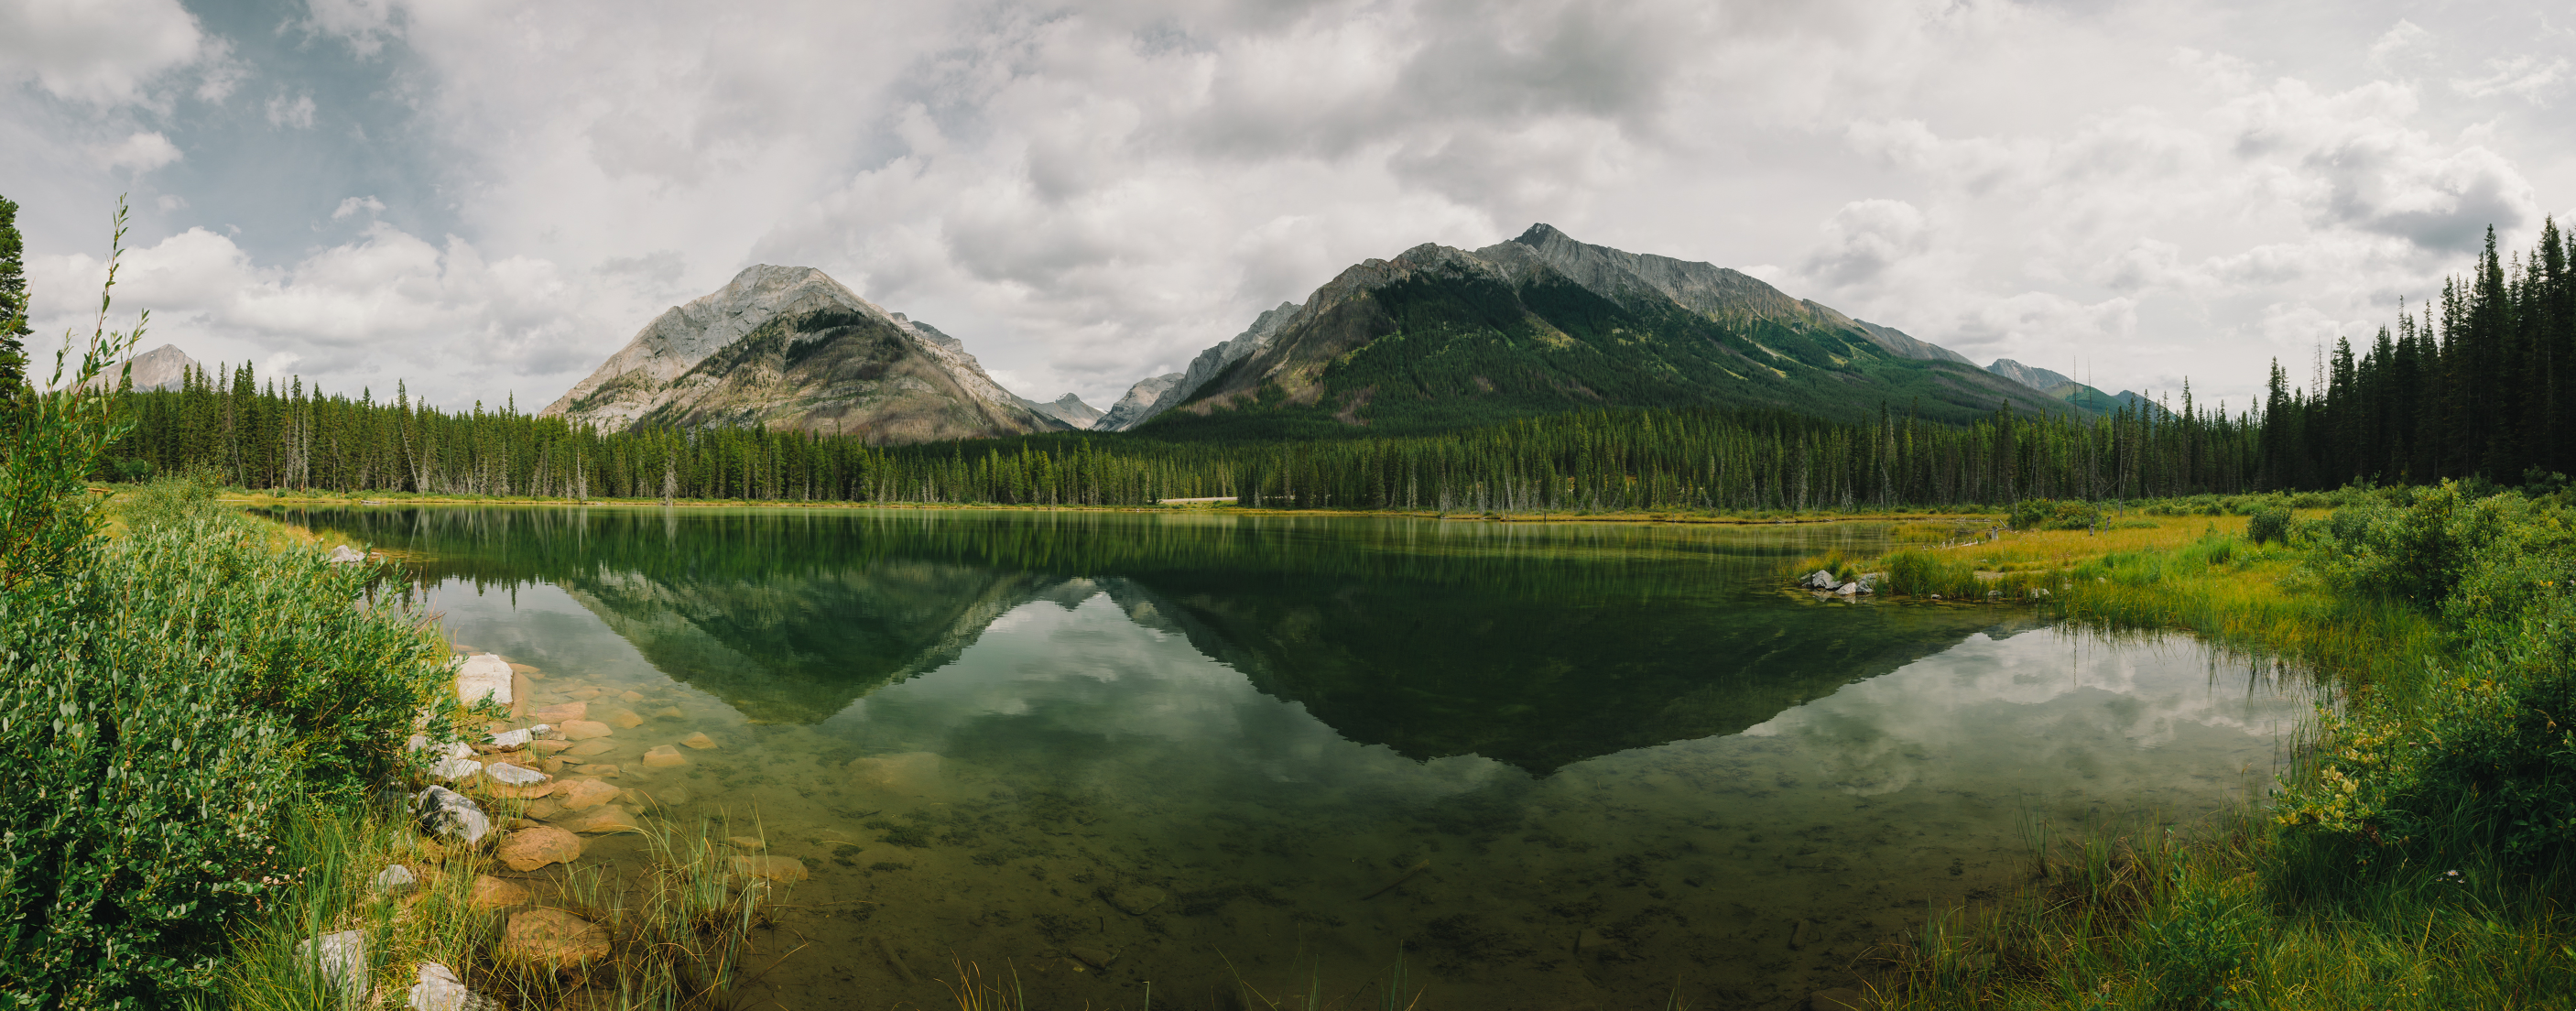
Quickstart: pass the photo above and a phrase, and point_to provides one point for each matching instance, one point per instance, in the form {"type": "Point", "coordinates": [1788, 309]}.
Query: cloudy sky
{"type": "Point", "coordinates": [487, 198]}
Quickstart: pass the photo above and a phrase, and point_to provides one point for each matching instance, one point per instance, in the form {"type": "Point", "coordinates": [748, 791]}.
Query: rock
{"type": "Point", "coordinates": [513, 775]}
{"type": "Point", "coordinates": [744, 842]}
{"type": "Point", "coordinates": [418, 742]}
{"type": "Point", "coordinates": [553, 938]}
{"type": "Point", "coordinates": [583, 730]}
{"type": "Point", "coordinates": [440, 990]}
{"type": "Point", "coordinates": [1839, 999]}
{"type": "Point", "coordinates": [490, 892]}
{"type": "Point", "coordinates": [1847, 589]}
{"type": "Point", "coordinates": [546, 808]}
{"type": "Point", "coordinates": [910, 771]}
{"type": "Point", "coordinates": [699, 741]}
{"type": "Point", "coordinates": [456, 749]}
{"type": "Point", "coordinates": [630, 697]}
{"type": "Point", "coordinates": [784, 870]}
{"type": "Point", "coordinates": [671, 713]}
{"type": "Point", "coordinates": [528, 792]}
{"type": "Point", "coordinates": [456, 769]}
{"type": "Point", "coordinates": [604, 820]}
{"type": "Point", "coordinates": [1093, 957]}
{"type": "Point", "coordinates": [583, 794]}
{"type": "Point", "coordinates": [586, 749]}
{"type": "Point", "coordinates": [344, 555]}
{"type": "Point", "coordinates": [664, 757]}
{"type": "Point", "coordinates": [523, 668]}
{"type": "Point", "coordinates": [512, 740]}
{"type": "Point", "coordinates": [529, 849]}
{"type": "Point", "coordinates": [561, 712]}
{"type": "Point", "coordinates": [396, 879]}
{"type": "Point", "coordinates": [601, 769]}
{"type": "Point", "coordinates": [447, 813]}
{"type": "Point", "coordinates": [624, 719]}
{"type": "Point", "coordinates": [483, 677]}
{"type": "Point", "coordinates": [1820, 580]}
{"type": "Point", "coordinates": [669, 796]}
{"type": "Point", "coordinates": [340, 959]}
{"type": "Point", "coordinates": [543, 748]}
{"type": "Point", "coordinates": [584, 692]}
{"type": "Point", "coordinates": [1135, 900]}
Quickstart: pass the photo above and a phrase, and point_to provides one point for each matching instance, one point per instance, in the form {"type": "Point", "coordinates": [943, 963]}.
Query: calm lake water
{"type": "Point", "coordinates": [1253, 758]}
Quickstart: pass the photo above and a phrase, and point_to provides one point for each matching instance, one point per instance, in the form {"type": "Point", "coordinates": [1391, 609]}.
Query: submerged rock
{"type": "Point", "coordinates": [1097, 958]}
{"type": "Point", "coordinates": [664, 757]}
{"type": "Point", "coordinates": [624, 719]}
{"type": "Point", "coordinates": [606, 819]}
{"type": "Point", "coordinates": [1134, 900]}
{"type": "Point", "coordinates": [529, 849]}
{"type": "Point", "coordinates": [699, 741]}
{"type": "Point", "coordinates": [447, 813]}
{"type": "Point", "coordinates": [552, 937]}
{"type": "Point", "coordinates": [785, 870]}
{"type": "Point", "coordinates": [583, 730]}
{"type": "Point", "coordinates": [561, 712]}
{"type": "Point", "coordinates": [912, 770]}
{"type": "Point", "coordinates": [489, 892]}
{"type": "Point", "coordinates": [583, 794]}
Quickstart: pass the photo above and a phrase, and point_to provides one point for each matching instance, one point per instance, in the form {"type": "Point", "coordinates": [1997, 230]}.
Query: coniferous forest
{"type": "Point", "coordinates": [2481, 383]}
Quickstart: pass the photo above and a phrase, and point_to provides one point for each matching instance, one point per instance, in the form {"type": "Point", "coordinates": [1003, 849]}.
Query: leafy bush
{"type": "Point", "coordinates": [2194, 954]}
{"type": "Point", "coordinates": [2270, 525]}
{"type": "Point", "coordinates": [2043, 514]}
{"type": "Point", "coordinates": [165, 696]}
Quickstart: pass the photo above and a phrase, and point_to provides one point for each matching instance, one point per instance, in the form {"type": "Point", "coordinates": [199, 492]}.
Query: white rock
{"type": "Point", "coordinates": [456, 769]}
{"type": "Point", "coordinates": [445, 812]}
{"type": "Point", "coordinates": [342, 555]}
{"type": "Point", "coordinates": [510, 740]}
{"type": "Point", "coordinates": [440, 990]}
{"type": "Point", "coordinates": [457, 749]}
{"type": "Point", "coordinates": [484, 676]}
{"type": "Point", "coordinates": [418, 742]}
{"type": "Point", "coordinates": [395, 879]}
{"type": "Point", "coordinates": [340, 959]}
{"type": "Point", "coordinates": [513, 775]}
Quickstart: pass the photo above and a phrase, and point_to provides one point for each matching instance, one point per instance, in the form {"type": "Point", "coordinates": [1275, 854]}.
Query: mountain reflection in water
{"type": "Point", "coordinates": [1537, 646]}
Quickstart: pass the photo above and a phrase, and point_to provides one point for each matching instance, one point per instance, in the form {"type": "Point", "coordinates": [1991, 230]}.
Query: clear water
{"type": "Point", "coordinates": [1252, 759]}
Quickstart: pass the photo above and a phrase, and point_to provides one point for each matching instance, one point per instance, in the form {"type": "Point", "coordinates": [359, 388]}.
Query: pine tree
{"type": "Point", "coordinates": [14, 300]}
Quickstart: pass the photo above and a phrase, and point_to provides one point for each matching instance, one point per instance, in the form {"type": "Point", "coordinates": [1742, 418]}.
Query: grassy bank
{"type": "Point", "coordinates": [2417, 852]}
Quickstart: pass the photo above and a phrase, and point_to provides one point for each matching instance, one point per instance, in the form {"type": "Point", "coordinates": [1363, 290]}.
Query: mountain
{"type": "Point", "coordinates": [2059, 386]}
{"type": "Point", "coordinates": [1440, 337]}
{"type": "Point", "coordinates": [1068, 409]}
{"type": "Point", "coordinates": [789, 347]}
{"type": "Point", "coordinates": [1132, 410]}
{"type": "Point", "coordinates": [162, 368]}
{"type": "Point", "coordinates": [1214, 360]}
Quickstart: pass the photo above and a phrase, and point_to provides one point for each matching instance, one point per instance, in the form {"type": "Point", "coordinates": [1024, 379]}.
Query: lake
{"type": "Point", "coordinates": [1250, 759]}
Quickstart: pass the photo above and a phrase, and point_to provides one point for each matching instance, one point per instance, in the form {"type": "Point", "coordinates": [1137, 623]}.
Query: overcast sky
{"type": "Point", "coordinates": [487, 198]}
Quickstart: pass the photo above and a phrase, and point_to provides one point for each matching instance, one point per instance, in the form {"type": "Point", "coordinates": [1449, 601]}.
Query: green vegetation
{"type": "Point", "coordinates": [2418, 854]}
{"type": "Point", "coordinates": [13, 299]}
{"type": "Point", "coordinates": [172, 696]}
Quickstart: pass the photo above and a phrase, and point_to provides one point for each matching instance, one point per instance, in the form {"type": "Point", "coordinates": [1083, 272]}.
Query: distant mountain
{"type": "Point", "coordinates": [1068, 409]}
{"type": "Point", "coordinates": [788, 347]}
{"type": "Point", "coordinates": [1132, 410]}
{"type": "Point", "coordinates": [1441, 337]}
{"type": "Point", "coordinates": [162, 368]}
{"type": "Point", "coordinates": [2057, 385]}
{"type": "Point", "coordinates": [1209, 363]}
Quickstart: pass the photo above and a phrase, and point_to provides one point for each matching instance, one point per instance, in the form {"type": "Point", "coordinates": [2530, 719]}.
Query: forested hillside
{"type": "Point", "coordinates": [2481, 384]}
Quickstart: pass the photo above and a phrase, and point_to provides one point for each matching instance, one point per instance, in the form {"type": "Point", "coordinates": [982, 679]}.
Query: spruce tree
{"type": "Point", "coordinates": [13, 300]}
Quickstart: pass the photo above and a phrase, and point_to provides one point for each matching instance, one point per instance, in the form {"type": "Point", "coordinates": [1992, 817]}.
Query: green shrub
{"type": "Point", "coordinates": [164, 698]}
{"type": "Point", "coordinates": [169, 501]}
{"type": "Point", "coordinates": [2269, 525]}
{"type": "Point", "coordinates": [2194, 954]}
{"type": "Point", "coordinates": [2043, 514]}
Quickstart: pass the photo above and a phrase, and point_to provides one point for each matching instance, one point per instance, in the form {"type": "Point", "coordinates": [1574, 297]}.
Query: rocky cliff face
{"type": "Point", "coordinates": [789, 347]}
{"type": "Point", "coordinates": [162, 368]}
{"type": "Point", "coordinates": [1132, 410]}
{"type": "Point", "coordinates": [1210, 363]}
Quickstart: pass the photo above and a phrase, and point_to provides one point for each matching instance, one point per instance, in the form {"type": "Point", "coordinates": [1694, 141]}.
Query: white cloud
{"type": "Point", "coordinates": [357, 205]}
{"type": "Point", "coordinates": [2529, 78]}
{"type": "Point", "coordinates": [2402, 42]}
{"type": "Point", "coordinates": [141, 152]}
{"type": "Point", "coordinates": [101, 52]}
{"type": "Point", "coordinates": [296, 112]}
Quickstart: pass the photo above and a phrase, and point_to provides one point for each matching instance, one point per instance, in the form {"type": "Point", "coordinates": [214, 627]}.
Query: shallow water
{"type": "Point", "coordinates": [1252, 758]}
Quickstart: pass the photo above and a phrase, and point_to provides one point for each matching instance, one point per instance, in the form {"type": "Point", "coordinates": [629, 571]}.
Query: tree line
{"type": "Point", "coordinates": [2480, 383]}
